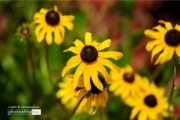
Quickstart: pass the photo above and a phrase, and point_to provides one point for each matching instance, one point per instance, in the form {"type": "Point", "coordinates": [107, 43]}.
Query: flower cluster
{"type": "Point", "coordinates": [87, 86]}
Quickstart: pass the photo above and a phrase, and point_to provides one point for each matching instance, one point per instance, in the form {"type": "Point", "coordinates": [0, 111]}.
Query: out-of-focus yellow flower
{"type": "Point", "coordinates": [166, 41]}
{"type": "Point", "coordinates": [126, 83]}
{"type": "Point", "coordinates": [90, 60]}
{"type": "Point", "coordinates": [66, 93]}
{"type": "Point", "coordinates": [51, 24]}
{"type": "Point", "coordinates": [149, 105]}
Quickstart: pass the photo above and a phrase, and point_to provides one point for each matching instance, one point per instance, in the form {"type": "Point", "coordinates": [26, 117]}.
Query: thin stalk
{"type": "Point", "coordinates": [31, 59]}
{"type": "Point", "coordinates": [173, 84]}
{"type": "Point", "coordinates": [47, 63]}
{"type": "Point", "coordinates": [77, 106]}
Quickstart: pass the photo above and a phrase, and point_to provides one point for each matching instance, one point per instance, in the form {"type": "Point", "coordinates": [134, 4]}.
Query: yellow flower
{"type": "Point", "coordinates": [126, 83]}
{"type": "Point", "coordinates": [51, 23]}
{"type": "Point", "coordinates": [66, 93]}
{"type": "Point", "coordinates": [93, 98]}
{"type": "Point", "coordinates": [149, 105]}
{"type": "Point", "coordinates": [91, 61]}
{"type": "Point", "coordinates": [166, 40]}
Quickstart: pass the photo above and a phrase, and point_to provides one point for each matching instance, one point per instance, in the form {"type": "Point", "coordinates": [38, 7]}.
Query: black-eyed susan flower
{"type": "Point", "coordinates": [67, 94]}
{"type": "Point", "coordinates": [51, 24]}
{"type": "Point", "coordinates": [126, 83]}
{"type": "Point", "coordinates": [166, 40]}
{"type": "Point", "coordinates": [149, 105]}
{"type": "Point", "coordinates": [90, 61]}
{"type": "Point", "coordinates": [93, 98]}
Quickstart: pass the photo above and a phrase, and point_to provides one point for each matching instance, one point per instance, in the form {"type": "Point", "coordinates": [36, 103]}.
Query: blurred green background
{"type": "Point", "coordinates": [24, 75]}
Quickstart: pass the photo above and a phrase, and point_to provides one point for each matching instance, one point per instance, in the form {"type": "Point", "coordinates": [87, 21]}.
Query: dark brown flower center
{"type": "Point", "coordinates": [52, 18]}
{"type": "Point", "coordinates": [128, 77]}
{"type": "Point", "coordinates": [25, 31]}
{"type": "Point", "coordinates": [94, 89]}
{"type": "Point", "coordinates": [150, 100]}
{"type": "Point", "coordinates": [172, 37]}
{"type": "Point", "coordinates": [89, 54]}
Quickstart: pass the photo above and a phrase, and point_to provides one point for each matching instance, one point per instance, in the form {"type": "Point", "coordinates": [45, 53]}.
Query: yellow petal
{"type": "Point", "coordinates": [95, 79]}
{"type": "Point", "coordinates": [177, 27]}
{"type": "Point", "coordinates": [39, 16]}
{"type": "Point", "coordinates": [69, 25]}
{"type": "Point", "coordinates": [105, 94]}
{"type": "Point", "coordinates": [62, 31]}
{"type": "Point", "coordinates": [102, 70]}
{"type": "Point", "coordinates": [157, 49]}
{"type": "Point", "coordinates": [113, 86]}
{"type": "Point", "coordinates": [57, 38]}
{"type": "Point", "coordinates": [67, 18]}
{"type": "Point", "coordinates": [73, 59]}
{"type": "Point", "coordinates": [134, 112]}
{"type": "Point", "coordinates": [41, 35]}
{"type": "Point", "coordinates": [88, 38]}
{"type": "Point", "coordinates": [38, 29]}
{"type": "Point", "coordinates": [152, 34]}
{"type": "Point", "coordinates": [89, 103]}
{"type": "Point", "coordinates": [86, 75]}
{"type": "Point", "coordinates": [44, 11]}
{"type": "Point", "coordinates": [77, 74]}
{"type": "Point", "coordinates": [167, 24]}
{"type": "Point", "coordinates": [177, 49]}
{"type": "Point", "coordinates": [110, 54]}
{"type": "Point", "coordinates": [69, 66]}
{"type": "Point", "coordinates": [80, 93]}
{"type": "Point", "coordinates": [108, 64]}
{"type": "Point", "coordinates": [119, 91]}
{"type": "Point", "coordinates": [78, 44]}
{"type": "Point", "coordinates": [73, 49]}
{"type": "Point", "coordinates": [150, 45]}
{"type": "Point", "coordinates": [142, 115]}
{"type": "Point", "coordinates": [49, 37]}
{"type": "Point", "coordinates": [101, 100]}
{"type": "Point", "coordinates": [168, 55]}
{"type": "Point", "coordinates": [125, 93]}
{"type": "Point", "coordinates": [163, 56]}
{"type": "Point", "coordinates": [55, 8]}
{"type": "Point", "coordinates": [104, 44]}
{"type": "Point", "coordinates": [160, 29]}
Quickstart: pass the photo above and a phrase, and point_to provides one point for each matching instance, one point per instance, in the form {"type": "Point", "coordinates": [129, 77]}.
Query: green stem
{"type": "Point", "coordinates": [173, 84]}
{"type": "Point", "coordinates": [77, 106]}
{"type": "Point", "coordinates": [156, 72]}
{"type": "Point", "coordinates": [47, 63]}
{"type": "Point", "coordinates": [31, 59]}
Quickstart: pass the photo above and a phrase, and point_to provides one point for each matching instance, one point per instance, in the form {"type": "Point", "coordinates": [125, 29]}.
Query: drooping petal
{"type": "Point", "coordinates": [108, 64]}
{"type": "Point", "coordinates": [69, 66]}
{"type": "Point", "coordinates": [125, 93]}
{"type": "Point", "coordinates": [134, 112]}
{"type": "Point", "coordinates": [95, 79]}
{"type": "Point", "coordinates": [57, 38]}
{"type": "Point", "coordinates": [113, 86]}
{"type": "Point", "coordinates": [104, 44]}
{"type": "Point", "coordinates": [78, 44]}
{"type": "Point", "coordinates": [41, 35]}
{"type": "Point", "coordinates": [81, 93]}
{"type": "Point", "coordinates": [62, 31]}
{"type": "Point", "coordinates": [110, 54]}
{"type": "Point", "coordinates": [49, 36]}
{"type": "Point", "coordinates": [101, 100]}
{"type": "Point", "coordinates": [88, 38]}
{"type": "Point", "coordinates": [157, 49]}
{"type": "Point", "coordinates": [38, 29]}
{"type": "Point", "coordinates": [162, 56]}
{"type": "Point", "coordinates": [73, 59]}
{"type": "Point", "coordinates": [102, 70]}
{"type": "Point", "coordinates": [86, 75]}
{"type": "Point", "coordinates": [177, 49]}
{"type": "Point", "coordinates": [142, 115]}
{"type": "Point", "coordinates": [69, 25]}
{"type": "Point", "coordinates": [119, 90]}
{"type": "Point", "coordinates": [168, 55]}
{"type": "Point", "coordinates": [167, 24]}
{"type": "Point", "coordinates": [77, 74]}
{"type": "Point", "coordinates": [150, 45]}
{"type": "Point", "coordinates": [73, 49]}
